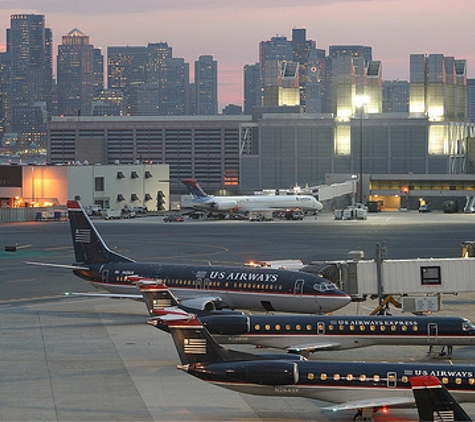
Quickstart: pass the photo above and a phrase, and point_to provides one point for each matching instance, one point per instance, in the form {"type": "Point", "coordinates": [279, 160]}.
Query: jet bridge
{"type": "Point", "coordinates": [418, 282]}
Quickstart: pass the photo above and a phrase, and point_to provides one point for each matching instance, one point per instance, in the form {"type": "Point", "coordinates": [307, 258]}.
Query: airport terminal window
{"type": "Point", "coordinates": [99, 184]}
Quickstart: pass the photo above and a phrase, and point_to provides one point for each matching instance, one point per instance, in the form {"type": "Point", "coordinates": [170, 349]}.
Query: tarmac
{"type": "Point", "coordinates": [95, 359]}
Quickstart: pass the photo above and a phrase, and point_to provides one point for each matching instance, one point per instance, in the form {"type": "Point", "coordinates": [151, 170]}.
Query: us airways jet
{"type": "Point", "coordinates": [199, 286]}
{"type": "Point", "coordinates": [248, 203]}
{"type": "Point", "coordinates": [306, 333]}
{"type": "Point", "coordinates": [363, 387]}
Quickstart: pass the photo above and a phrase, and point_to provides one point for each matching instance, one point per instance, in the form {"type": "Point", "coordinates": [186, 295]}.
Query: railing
{"type": "Point", "coordinates": [11, 215]}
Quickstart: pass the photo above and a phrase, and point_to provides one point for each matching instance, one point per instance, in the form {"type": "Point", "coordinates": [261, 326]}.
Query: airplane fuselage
{"type": "Point", "coordinates": [259, 202]}
{"type": "Point", "coordinates": [335, 382]}
{"type": "Point", "coordinates": [264, 289]}
{"type": "Point", "coordinates": [339, 332]}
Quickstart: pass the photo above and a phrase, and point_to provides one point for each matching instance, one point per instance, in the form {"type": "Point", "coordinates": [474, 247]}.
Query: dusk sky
{"type": "Point", "coordinates": [231, 30]}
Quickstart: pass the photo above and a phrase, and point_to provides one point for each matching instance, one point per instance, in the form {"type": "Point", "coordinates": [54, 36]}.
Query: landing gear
{"type": "Point", "coordinates": [445, 352]}
{"type": "Point", "coordinates": [365, 415]}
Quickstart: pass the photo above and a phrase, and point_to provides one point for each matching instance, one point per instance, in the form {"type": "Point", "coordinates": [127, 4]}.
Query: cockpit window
{"type": "Point", "coordinates": [324, 286]}
{"type": "Point", "coordinates": [468, 325]}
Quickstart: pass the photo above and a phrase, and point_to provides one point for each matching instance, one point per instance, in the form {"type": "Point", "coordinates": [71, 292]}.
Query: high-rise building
{"type": "Point", "coordinates": [252, 87]}
{"type": "Point", "coordinates": [29, 44]}
{"type": "Point", "coordinates": [395, 97]}
{"type": "Point", "coordinates": [76, 78]}
{"type": "Point", "coordinates": [206, 85]}
{"type": "Point", "coordinates": [471, 100]}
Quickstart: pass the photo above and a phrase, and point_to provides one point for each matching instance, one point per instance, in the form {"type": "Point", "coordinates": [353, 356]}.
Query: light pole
{"type": "Point", "coordinates": [360, 102]}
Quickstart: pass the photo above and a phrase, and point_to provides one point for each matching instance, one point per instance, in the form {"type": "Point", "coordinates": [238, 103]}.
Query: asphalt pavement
{"type": "Point", "coordinates": [95, 359]}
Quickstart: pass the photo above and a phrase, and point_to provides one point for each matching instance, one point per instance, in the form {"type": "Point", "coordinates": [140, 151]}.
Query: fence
{"type": "Point", "coordinates": [11, 215]}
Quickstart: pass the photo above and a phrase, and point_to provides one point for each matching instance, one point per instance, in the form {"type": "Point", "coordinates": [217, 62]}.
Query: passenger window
{"type": "Point", "coordinates": [267, 327]}
{"type": "Point", "coordinates": [257, 327]}
{"type": "Point", "coordinates": [471, 381]}
{"type": "Point", "coordinates": [323, 377]}
{"type": "Point", "coordinates": [362, 327]}
{"type": "Point", "coordinates": [445, 380]}
{"type": "Point", "coordinates": [458, 381]}
{"type": "Point", "coordinates": [330, 327]}
{"type": "Point", "coordinates": [352, 328]}
{"type": "Point", "coordinates": [298, 327]}
{"type": "Point", "coordinates": [341, 327]}
{"type": "Point", "coordinates": [288, 327]}
{"type": "Point", "coordinates": [310, 376]}
{"type": "Point", "coordinates": [372, 327]}
{"type": "Point", "coordinates": [376, 378]}
{"type": "Point", "coordinates": [382, 328]}
{"type": "Point", "coordinates": [362, 377]}
{"type": "Point", "coordinates": [404, 328]}
{"type": "Point", "coordinates": [393, 328]}
{"type": "Point", "coordinates": [349, 377]}
{"type": "Point", "coordinates": [404, 379]}
{"type": "Point", "coordinates": [415, 328]}
{"type": "Point", "coordinates": [277, 327]}
{"type": "Point", "coordinates": [336, 377]}
{"type": "Point", "coordinates": [309, 327]}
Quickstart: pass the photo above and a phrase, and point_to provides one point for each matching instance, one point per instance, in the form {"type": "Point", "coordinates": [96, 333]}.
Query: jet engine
{"type": "Point", "coordinates": [260, 372]}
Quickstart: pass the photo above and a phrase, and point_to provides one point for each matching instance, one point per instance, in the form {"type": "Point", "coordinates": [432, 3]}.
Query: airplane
{"type": "Point", "coordinates": [248, 203]}
{"type": "Point", "coordinates": [364, 387]}
{"type": "Point", "coordinates": [305, 334]}
{"type": "Point", "coordinates": [198, 286]}
{"type": "Point", "coordinates": [434, 402]}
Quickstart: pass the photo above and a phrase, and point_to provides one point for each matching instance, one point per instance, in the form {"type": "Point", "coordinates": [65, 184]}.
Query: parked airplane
{"type": "Point", "coordinates": [361, 386]}
{"type": "Point", "coordinates": [434, 402]}
{"type": "Point", "coordinates": [306, 334]}
{"type": "Point", "coordinates": [248, 203]}
{"type": "Point", "coordinates": [199, 286]}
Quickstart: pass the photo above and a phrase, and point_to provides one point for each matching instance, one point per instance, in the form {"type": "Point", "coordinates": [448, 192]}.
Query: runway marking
{"type": "Point", "coordinates": [21, 280]}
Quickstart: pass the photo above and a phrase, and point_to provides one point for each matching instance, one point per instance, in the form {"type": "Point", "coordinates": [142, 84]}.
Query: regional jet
{"type": "Point", "coordinates": [363, 387]}
{"type": "Point", "coordinates": [199, 286]}
{"type": "Point", "coordinates": [248, 203]}
{"type": "Point", "coordinates": [305, 334]}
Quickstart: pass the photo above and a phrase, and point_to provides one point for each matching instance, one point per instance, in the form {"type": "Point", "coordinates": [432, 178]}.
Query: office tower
{"type": "Point", "coordinates": [29, 44]}
{"type": "Point", "coordinates": [395, 97]}
{"type": "Point", "coordinates": [438, 86]}
{"type": "Point", "coordinates": [174, 82]}
{"type": "Point", "coordinates": [76, 79]}
{"type": "Point", "coordinates": [126, 68]}
{"type": "Point", "coordinates": [98, 72]}
{"type": "Point", "coordinates": [206, 84]}
{"type": "Point", "coordinates": [471, 100]}
{"type": "Point", "coordinates": [349, 60]}
{"type": "Point", "coordinates": [252, 87]}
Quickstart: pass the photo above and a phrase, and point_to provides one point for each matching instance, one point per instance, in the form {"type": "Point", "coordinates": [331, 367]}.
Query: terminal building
{"type": "Point", "coordinates": [429, 149]}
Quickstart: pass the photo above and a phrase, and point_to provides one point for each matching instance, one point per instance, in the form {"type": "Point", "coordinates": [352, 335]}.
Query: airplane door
{"type": "Point", "coordinates": [391, 380]}
{"type": "Point", "coordinates": [432, 332]}
{"type": "Point", "coordinates": [320, 328]}
{"type": "Point", "coordinates": [298, 287]}
{"type": "Point", "coordinates": [105, 276]}
{"type": "Point", "coordinates": [199, 284]}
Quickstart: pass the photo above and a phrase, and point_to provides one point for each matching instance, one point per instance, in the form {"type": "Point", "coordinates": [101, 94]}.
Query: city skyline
{"type": "Point", "coordinates": [231, 32]}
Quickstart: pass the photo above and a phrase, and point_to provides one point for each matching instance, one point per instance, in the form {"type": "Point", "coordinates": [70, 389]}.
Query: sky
{"type": "Point", "coordinates": [230, 30]}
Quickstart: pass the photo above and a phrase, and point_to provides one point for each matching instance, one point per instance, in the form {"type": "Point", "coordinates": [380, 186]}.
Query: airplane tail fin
{"type": "Point", "coordinates": [195, 345]}
{"type": "Point", "coordinates": [89, 247]}
{"type": "Point", "coordinates": [193, 342]}
{"type": "Point", "coordinates": [195, 189]}
{"type": "Point", "coordinates": [158, 298]}
{"type": "Point", "coordinates": [434, 402]}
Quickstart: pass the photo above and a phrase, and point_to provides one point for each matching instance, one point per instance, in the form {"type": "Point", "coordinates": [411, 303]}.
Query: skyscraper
{"type": "Point", "coordinates": [76, 65]}
{"type": "Point", "coordinates": [206, 84]}
{"type": "Point", "coordinates": [29, 44]}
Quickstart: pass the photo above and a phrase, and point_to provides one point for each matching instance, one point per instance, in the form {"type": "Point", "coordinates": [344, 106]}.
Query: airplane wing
{"type": "Point", "coordinates": [109, 295]}
{"type": "Point", "coordinates": [202, 303]}
{"type": "Point", "coordinates": [67, 267]}
{"type": "Point", "coordinates": [313, 347]}
{"type": "Point", "coordinates": [372, 403]}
